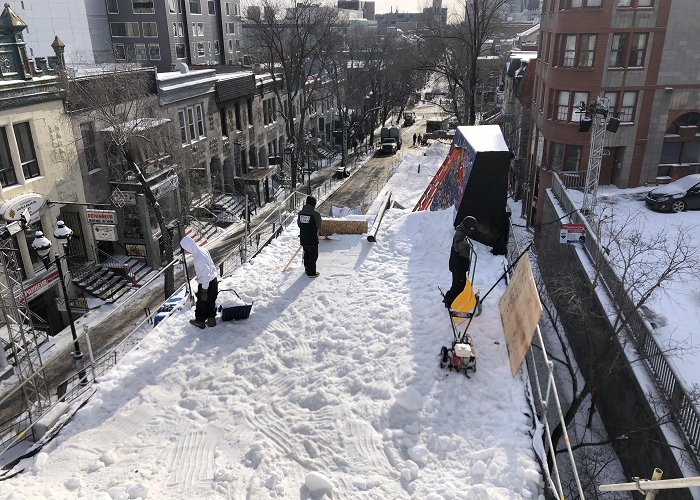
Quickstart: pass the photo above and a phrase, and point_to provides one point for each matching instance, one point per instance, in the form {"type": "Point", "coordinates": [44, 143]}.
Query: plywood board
{"type": "Point", "coordinates": [520, 311]}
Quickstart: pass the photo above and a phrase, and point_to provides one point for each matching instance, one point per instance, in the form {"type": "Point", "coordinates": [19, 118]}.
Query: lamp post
{"type": "Point", "coordinates": [42, 245]}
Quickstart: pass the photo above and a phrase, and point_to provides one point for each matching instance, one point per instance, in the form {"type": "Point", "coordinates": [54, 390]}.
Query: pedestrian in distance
{"type": "Point", "coordinates": [309, 222]}
{"type": "Point", "coordinates": [207, 283]}
{"type": "Point", "coordinates": [420, 139]}
{"type": "Point", "coordinates": [414, 139]}
{"type": "Point", "coordinates": [460, 258]}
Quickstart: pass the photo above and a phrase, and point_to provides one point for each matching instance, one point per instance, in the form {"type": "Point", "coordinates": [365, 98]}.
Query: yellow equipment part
{"type": "Point", "coordinates": [465, 302]}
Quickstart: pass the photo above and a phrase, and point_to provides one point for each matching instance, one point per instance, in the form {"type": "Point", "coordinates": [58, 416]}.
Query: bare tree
{"type": "Point", "coordinates": [137, 133]}
{"type": "Point", "coordinates": [645, 264]}
{"type": "Point", "coordinates": [295, 42]}
{"type": "Point", "coordinates": [453, 51]}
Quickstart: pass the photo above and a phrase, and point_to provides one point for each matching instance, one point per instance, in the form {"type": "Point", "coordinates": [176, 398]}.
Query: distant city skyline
{"type": "Point", "coordinates": [385, 6]}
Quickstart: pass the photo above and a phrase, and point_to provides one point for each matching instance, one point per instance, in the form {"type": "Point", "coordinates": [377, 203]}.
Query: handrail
{"type": "Point", "coordinates": [664, 374]}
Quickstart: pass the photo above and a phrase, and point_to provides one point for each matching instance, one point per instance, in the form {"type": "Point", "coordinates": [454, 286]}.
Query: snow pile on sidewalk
{"type": "Point", "coordinates": [331, 388]}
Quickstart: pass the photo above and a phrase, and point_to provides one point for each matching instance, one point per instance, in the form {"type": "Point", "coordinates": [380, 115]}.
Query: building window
{"type": "Point", "coordinates": [124, 29]}
{"type": "Point", "coordinates": [173, 6]}
{"type": "Point", "coordinates": [629, 49]}
{"type": "Point", "coordinates": [576, 51]}
{"type": "Point", "coordinates": [230, 45]}
{"type": "Point", "coordinates": [230, 28]}
{"type": "Point", "coordinates": [87, 134]}
{"type": "Point", "coordinates": [216, 47]}
{"type": "Point", "coordinates": [150, 30]}
{"type": "Point", "coordinates": [565, 157]}
{"type": "Point", "coordinates": [623, 105]}
{"type": "Point", "coordinates": [180, 51]}
{"type": "Point", "coordinates": [140, 51]}
{"type": "Point", "coordinates": [119, 52]}
{"type": "Point", "coordinates": [7, 169]}
{"type": "Point", "coordinates": [200, 29]}
{"type": "Point", "coordinates": [635, 3]}
{"type": "Point", "coordinates": [250, 113]}
{"type": "Point", "coordinates": [586, 50]}
{"type": "Point", "coordinates": [154, 52]}
{"type": "Point", "coordinates": [638, 49]}
{"type": "Point", "coordinates": [191, 123]}
{"type": "Point", "coordinates": [228, 12]}
{"type": "Point", "coordinates": [180, 29]}
{"type": "Point", "coordinates": [212, 7]}
{"type": "Point", "coordinates": [563, 106]}
{"type": "Point", "coordinates": [183, 126]}
{"type": "Point", "coordinates": [575, 4]}
{"type": "Point", "coordinates": [175, 30]}
{"type": "Point", "coordinates": [112, 7]}
{"type": "Point", "coordinates": [200, 120]}
{"type": "Point", "coordinates": [629, 101]}
{"type": "Point", "coordinates": [27, 155]}
{"type": "Point", "coordinates": [569, 50]}
{"type": "Point", "coordinates": [236, 8]}
{"type": "Point", "coordinates": [209, 47]}
{"type": "Point", "coordinates": [200, 48]}
{"type": "Point", "coordinates": [143, 6]}
{"type": "Point", "coordinates": [237, 110]}
{"type": "Point", "coordinates": [567, 102]}
{"type": "Point", "coordinates": [194, 29]}
{"type": "Point", "coordinates": [195, 7]}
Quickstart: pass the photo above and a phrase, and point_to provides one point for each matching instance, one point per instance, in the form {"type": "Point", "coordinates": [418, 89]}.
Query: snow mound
{"type": "Point", "coordinates": [318, 484]}
{"type": "Point", "coordinates": [410, 399]}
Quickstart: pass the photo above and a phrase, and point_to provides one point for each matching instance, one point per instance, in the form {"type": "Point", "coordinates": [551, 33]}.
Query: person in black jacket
{"type": "Point", "coordinates": [460, 258]}
{"type": "Point", "coordinates": [309, 222]}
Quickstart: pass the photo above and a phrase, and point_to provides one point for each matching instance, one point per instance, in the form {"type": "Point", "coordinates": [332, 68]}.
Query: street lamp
{"type": "Point", "coordinates": [42, 245]}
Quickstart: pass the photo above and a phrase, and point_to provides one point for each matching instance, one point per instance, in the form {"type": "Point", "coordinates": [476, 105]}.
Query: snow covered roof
{"type": "Point", "coordinates": [484, 138]}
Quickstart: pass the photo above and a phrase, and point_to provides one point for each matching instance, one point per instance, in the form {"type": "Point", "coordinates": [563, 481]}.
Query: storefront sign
{"type": "Point", "coordinates": [12, 210]}
{"type": "Point", "coordinates": [101, 216]}
{"type": "Point", "coordinates": [121, 198]}
{"type": "Point", "coordinates": [105, 232]}
{"type": "Point", "coordinates": [572, 233]}
{"type": "Point", "coordinates": [38, 286]}
{"type": "Point", "coordinates": [77, 305]}
{"type": "Point", "coordinates": [169, 184]}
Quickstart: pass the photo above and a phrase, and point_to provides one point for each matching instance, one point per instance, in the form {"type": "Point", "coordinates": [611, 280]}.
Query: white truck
{"type": "Point", "coordinates": [391, 139]}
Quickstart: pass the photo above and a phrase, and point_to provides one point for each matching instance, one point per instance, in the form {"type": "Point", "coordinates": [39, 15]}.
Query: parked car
{"type": "Point", "coordinates": [676, 196]}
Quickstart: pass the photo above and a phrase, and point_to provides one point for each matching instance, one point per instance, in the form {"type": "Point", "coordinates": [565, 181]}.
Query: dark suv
{"type": "Point", "coordinates": [677, 196]}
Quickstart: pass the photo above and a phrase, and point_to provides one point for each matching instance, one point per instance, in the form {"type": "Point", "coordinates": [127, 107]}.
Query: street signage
{"type": "Point", "coordinates": [572, 233]}
{"type": "Point", "coordinates": [12, 210]}
{"type": "Point", "coordinates": [38, 286]}
{"type": "Point", "coordinates": [121, 198]}
{"type": "Point", "coordinates": [105, 232]}
{"type": "Point", "coordinates": [77, 305]}
{"type": "Point", "coordinates": [100, 216]}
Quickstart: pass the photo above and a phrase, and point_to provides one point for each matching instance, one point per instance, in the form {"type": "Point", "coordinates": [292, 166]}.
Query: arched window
{"type": "Point", "coordinates": [681, 143]}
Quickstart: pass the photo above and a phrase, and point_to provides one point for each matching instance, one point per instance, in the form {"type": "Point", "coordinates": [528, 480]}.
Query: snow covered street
{"type": "Point", "coordinates": [331, 387]}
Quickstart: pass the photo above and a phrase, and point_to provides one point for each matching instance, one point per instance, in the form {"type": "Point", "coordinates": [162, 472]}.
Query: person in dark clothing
{"type": "Point", "coordinates": [414, 139]}
{"type": "Point", "coordinates": [309, 222]}
{"type": "Point", "coordinates": [208, 285]}
{"type": "Point", "coordinates": [460, 258]}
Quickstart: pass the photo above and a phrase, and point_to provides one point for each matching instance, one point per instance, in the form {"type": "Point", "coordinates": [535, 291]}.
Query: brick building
{"type": "Point", "coordinates": [637, 55]}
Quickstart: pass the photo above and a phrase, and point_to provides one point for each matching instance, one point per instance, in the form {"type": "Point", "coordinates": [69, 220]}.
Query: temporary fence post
{"type": "Point", "coordinates": [655, 476]}
{"type": "Point", "coordinates": [90, 354]}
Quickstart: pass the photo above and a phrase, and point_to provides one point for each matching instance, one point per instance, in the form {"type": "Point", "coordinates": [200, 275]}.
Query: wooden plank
{"type": "Point", "coordinates": [520, 309]}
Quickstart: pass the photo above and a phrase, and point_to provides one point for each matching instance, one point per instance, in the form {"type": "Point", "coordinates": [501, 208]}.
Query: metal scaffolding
{"type": "Point", "coordinates": [598, 113]}
{"type": "Point", "coordinates": [24, 338]}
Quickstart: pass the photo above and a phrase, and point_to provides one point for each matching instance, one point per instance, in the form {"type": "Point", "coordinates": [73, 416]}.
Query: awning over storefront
{"type": "Point", "coordinates": [258, 174]}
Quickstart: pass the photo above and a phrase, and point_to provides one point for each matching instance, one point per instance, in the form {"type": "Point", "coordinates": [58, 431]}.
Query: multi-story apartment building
{"type": "Point", "coordinates": [635, 55]}
{"type": "Point", "coordinates": [435, 14]}
{"type": "Point", "coordinates": [163, 32]}
{"type": "Point", "coordinates": [38, 168]}
{"type": "Point", "coordinates": [81, 24]}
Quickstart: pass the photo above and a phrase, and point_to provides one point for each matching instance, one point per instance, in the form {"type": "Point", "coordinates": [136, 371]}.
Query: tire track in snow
{"type": "Point", "coordinates": [192, 460]}
{"type": "Point", "coordinates": [363, 445]}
